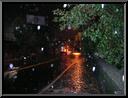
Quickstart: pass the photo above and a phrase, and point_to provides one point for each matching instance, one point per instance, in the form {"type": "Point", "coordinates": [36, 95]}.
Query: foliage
{"type": "Point", "coordinates": [103, 25]}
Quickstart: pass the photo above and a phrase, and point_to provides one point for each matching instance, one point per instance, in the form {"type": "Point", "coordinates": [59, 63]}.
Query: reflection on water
{"type": "Point", "coordinates": [76, 80]}
{"type": "Point", "coordinates": [77, 76]}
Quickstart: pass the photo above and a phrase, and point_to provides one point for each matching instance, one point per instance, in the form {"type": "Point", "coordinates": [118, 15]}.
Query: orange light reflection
{"type": "Point", "coordinates": [76, 53]}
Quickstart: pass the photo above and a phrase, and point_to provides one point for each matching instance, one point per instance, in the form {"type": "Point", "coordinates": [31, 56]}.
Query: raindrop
{"type": "Point", "coordinates": [65, 5]}
{"type": "Point", "coordinates": [123, 78]}
{"type": "Point", "coordinates": [52, 65]}
{"type": "Point", "coordinates": [38, 27]}
{"type": "Point", "coordinates": [24, 58]}
{"type": "Point", "coordinates": [11, 66]}
{"type": "Point", "coordinates": [52, 86]}
{"type": "Point", "coordinates": [15, 77]}
{"type": "Point", "coordinates": [33, 69]}
{"type": "Point", "coordinates": [102, 5]}
{"type": "Point", "coordinates": [93, 69]}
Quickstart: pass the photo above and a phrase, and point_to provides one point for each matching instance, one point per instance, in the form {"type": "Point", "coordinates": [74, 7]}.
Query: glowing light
{"type": "Point", "coordinates": [42, 49]}
{"type": "Point", "coordinates": [102, 5]}
{"type": "Point", "coordinates": [38, 27]}
{"type": "Point", "coordinates": [76, 53]}
{"type": "Point", "coordinates": [11, 66]}
{"type": "Point", "coordinates": [123, 78]}
{"type": "Point", "coordinates": [93, 69]}
{"type": "Point", "coordinates": [65, 5]}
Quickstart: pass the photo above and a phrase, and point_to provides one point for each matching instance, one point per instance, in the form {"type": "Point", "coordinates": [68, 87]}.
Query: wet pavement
{"type": "Point", "coordinates": [77, 80]}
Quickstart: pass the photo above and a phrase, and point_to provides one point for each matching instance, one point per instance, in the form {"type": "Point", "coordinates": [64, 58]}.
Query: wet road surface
{"type": "Point", "coordinates": [77, 80]}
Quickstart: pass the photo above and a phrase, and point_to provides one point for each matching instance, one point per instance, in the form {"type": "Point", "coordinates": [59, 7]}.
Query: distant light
{"type": "Point", "coordinates": [115, 32]}
{"type": "Point", "coordinates": [11, 66]}
{"type": "Point", "coordinates": [123, 78]}
{"type": "Point", "coordinates": [69, 40]}
{"type": "Point", "coordinates": [80, 48]}
{"type": "Point", "coordinates": [52, 65]}
{"type": "Point", "coordinates": [38, 27]}
{"type": "Point", "coordinates": [87, 65]}
{"type": "Point", "coordinates": [102, 6]}
{"type": "Point", "coordinates": [42, 49]}
{"type": "Point", "coordinates": [24, 58]}
{"type": "Point", "coordinates": [65, 5]}
{"type": "Point", "coordinates": [93, 69]}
